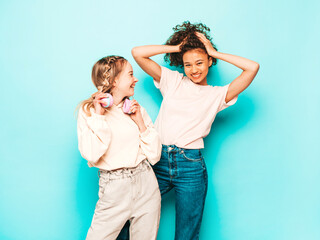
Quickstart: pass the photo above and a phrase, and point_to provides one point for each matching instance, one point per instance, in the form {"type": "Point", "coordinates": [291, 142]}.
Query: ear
{"type": "Point", "coordinates": [210, 61]}
{"type": "Point", "coordinates": [115, 82]}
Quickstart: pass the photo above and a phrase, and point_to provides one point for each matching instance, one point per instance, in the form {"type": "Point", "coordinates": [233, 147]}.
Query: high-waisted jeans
{"type": "Point", "coordinates": [183, 170]}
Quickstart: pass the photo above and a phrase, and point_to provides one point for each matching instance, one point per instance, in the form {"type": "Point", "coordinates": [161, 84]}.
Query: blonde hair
{"type": "Point", "coordinates": [104, 73]}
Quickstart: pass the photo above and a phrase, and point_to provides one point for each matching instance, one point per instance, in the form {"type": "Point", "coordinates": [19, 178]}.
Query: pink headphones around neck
{"type": "Point", "coordinates": [109, 102]}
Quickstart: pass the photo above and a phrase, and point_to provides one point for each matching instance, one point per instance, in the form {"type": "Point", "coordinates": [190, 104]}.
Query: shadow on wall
{"type": "Point", "coordinates": [227, 123]}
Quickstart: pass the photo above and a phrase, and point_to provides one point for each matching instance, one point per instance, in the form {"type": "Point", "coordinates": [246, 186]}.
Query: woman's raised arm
{"type": "Point", "coordinates": [142, 56]}
{"type": "Point", "coordinates": [249, 67]}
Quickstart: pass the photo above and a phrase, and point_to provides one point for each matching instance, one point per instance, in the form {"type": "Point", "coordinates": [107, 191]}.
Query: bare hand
{"type": "Point", "coordinates": [136, 115]}
{"type": "Point", "coordinates": [210, 49]}
{"type": "Point", "coordinates": [97, 103]}
{"type": "Point", "coordinates": [182, 43]}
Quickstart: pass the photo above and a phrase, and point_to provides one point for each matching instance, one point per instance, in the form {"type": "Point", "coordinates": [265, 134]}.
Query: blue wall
{"type": "Point", "coordinates": [262, 154]}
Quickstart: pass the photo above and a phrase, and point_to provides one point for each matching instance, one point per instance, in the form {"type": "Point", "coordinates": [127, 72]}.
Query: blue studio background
{"type": "Point", "coordinates": [262, 154]}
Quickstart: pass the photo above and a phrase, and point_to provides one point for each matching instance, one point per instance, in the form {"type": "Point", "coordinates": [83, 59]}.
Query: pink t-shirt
{"type": "Point", "coordinates": [188, 109]}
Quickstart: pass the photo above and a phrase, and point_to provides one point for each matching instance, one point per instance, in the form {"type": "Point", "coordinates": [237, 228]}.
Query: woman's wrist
{"type": "Point", "coordinates": [214, 54]}
{"type": "Point", "coordinates": [142, 127]}
{"type": "Point", "coordinates": [172, 48]}
{"type": "Point", "coordinates": [140, 123]}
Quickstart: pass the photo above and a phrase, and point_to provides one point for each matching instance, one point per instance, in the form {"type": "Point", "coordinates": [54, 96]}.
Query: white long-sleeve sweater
{"type": "Point", "coordinates": [113, 140]}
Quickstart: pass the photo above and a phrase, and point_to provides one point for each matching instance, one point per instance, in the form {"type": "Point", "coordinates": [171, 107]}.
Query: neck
{"type": "Point", "coordinates": [203, 82]}
{"type": "Point", "coordinates": [117, 98]}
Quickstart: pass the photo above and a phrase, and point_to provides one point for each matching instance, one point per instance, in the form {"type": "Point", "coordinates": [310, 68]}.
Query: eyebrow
{"type": "Point", "coordinates": [199, 60]}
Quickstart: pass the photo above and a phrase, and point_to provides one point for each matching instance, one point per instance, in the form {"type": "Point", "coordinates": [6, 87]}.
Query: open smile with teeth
{"type": "Point", "coordinates": [196, 75]}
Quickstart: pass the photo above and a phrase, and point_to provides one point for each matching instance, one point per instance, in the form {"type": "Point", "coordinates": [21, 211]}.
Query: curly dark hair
{"type": "Point", "coordinates": [186, 33]}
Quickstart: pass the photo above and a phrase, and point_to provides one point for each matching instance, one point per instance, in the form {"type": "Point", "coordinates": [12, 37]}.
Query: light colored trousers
{"type": "Point", "coordinates": [127, 194]}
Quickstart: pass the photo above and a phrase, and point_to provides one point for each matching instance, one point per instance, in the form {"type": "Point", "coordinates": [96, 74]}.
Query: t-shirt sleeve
{"type": "Point", "coordinates": [169, 80]}
{"type": "Point", "coordinates": [223, 93]}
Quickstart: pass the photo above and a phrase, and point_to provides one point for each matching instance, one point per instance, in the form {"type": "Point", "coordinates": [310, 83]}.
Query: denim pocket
{"type": "Point", "coordinates": [193, 155]}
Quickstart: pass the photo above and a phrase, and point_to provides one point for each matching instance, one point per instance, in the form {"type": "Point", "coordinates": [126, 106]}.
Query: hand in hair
{"type": "Point", "coordinates": [136, 115]}
{"type": "Point", "coordinates": [98, 109]}
{"type": "Point", "coordinates": [206, 42]}
{"type": "Point", "coordinates": [183, 42]}
{"type": "Point", "coordinates": [185, 37]}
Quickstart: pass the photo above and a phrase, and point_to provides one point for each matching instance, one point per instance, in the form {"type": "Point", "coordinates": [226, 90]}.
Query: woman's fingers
{"type": "Point", "coordinates": [100, 95]}
{"type": "Point", "coordinates": [206, 42]}
{"type": "Point", "coordinates": [202, 37]}
{"type": "Point", "coordinates": [183, 41]}
{"type": "Point", "coordinates": [134, 106]}
{"type": "Point", "coordinates": [134, 102]}
{"type": "Point", "coordinates": [199, 34]}
{"type": "Point", "coordinates": [101, 102]}
{"type": "Point", "coordinates": [133, 109]}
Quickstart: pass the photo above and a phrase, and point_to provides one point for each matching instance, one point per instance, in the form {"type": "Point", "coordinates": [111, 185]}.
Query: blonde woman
{"type": "Point", "coordinates": [122, 146]}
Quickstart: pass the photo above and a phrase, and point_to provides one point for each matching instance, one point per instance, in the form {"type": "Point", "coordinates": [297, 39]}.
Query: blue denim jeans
{"type": "Point", "coordinates": [183, 170]}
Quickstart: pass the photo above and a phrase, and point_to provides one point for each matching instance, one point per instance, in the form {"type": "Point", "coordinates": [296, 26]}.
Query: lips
{"type": "Point", "coordinates": [196, 76]}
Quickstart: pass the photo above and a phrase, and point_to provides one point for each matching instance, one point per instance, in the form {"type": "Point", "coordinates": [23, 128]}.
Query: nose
{"type": "Point", "coordinates": [194, 69]}
{"type": "Point", "coordinates": [136, 79]}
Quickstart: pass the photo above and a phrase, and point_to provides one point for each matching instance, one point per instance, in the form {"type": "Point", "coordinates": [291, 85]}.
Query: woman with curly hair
{"type": "Point", "coordinates": [117, 136]}
{"type": "Point", "coordinates": [186, 114]}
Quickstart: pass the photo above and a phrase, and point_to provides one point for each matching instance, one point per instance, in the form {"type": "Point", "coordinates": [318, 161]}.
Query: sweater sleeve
{"type": "Point", "coordinates": [149, 140]}
{"type": "Point", "coordinates": [94, 136]}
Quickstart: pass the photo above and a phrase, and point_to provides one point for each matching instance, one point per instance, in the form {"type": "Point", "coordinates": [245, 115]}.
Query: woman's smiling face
{"type": "Point", "coordinates": [126, 82]}
{"type": "Point", "coordinates": [196, 64]}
